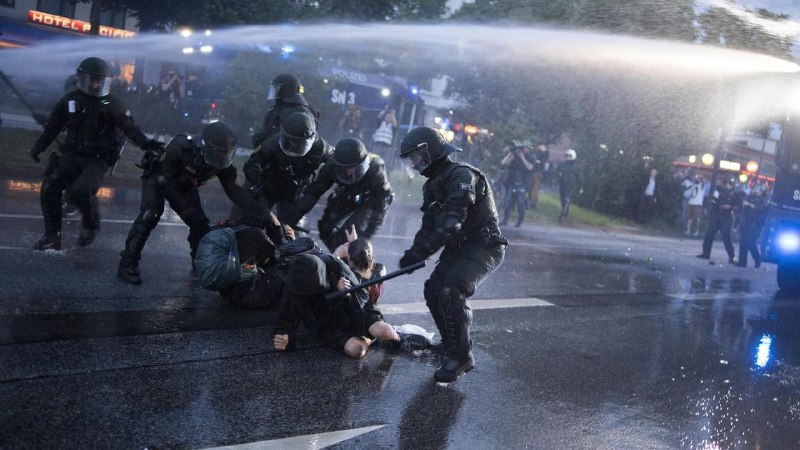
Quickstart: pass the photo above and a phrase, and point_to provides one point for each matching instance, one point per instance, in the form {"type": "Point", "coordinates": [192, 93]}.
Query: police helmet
{"type": "Point", "coordinates": [421, 146]}
{"type": "Point", "coordinates": [571, 155]}
{"type": "Point", "coordinates": [285, 86]}
{"type": "Point", "coordinates": [350, 160]}
{"type": "Point", "coordinates": [219, 144]}
{"type": "Point", "coordinates": [298, 133]}
{"type": "Point", "coordinates": [94, 77]}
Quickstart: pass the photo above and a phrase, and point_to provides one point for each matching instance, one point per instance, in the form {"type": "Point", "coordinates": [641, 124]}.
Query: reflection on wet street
{"type": "Point", "coordinates": [632, 342]}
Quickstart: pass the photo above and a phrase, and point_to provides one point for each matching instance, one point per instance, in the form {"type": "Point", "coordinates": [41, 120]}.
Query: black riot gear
{"type": "Point", "coordinates": [459, 214]}
{"type": "Point", "coordinates": [285, 86]}
{"type": "Point", "coordinates": [350, 160]}
{"type": "Point", "coordinates": [219, 144]}
{"type": "Point", "coordinates": [361, 203]}
{"type": "Point", "coordinates": [421, 146]}
{"type": "Point", "coordinates": [175, 178]}
{"type": "Point", "coordinates": [91, 121]}
{"type": "Point", "coordinates": [94, 77]}
{"type": "Point", "coordinates": [298, 133]}
{"type": "Point", "coordinates": [279, 179]}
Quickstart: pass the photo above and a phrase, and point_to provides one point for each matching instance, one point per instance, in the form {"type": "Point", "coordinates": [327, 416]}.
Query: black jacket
{"type": "Point", "coordinates": [182, 166]}
{"type": "Point", "coordinates": [373, 189]}
{"type": "Point", "coordinates": [91, 124]}
{"type": "Point", "coordinates": [307, 281]}
{"type": "Point", "coordinates": [568, 176]}
{"type": "Point", "coordinates": [280, 177]}
{"type": "Point", "coordinates": [458, 205]}
{"type": "Point", "coordinates": [277, 114]}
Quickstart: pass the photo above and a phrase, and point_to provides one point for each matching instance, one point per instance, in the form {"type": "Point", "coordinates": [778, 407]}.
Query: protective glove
{"type": "Point", "coordinates": [253, 173]}
{"type": "Point", "coordinates": [257, 139]}
{"type": "Point", "coordinates": [35, 152]}
{"type": "Point", "coordinates": [410, 257]}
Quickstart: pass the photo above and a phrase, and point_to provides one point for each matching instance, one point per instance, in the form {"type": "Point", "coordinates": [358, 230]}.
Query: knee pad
{"type": "Point", "coordinates": [150, 217]}
{"type": "Point", "coordinates": [448, 295]}
{"type": "Point", "coordinates": [430, 292]}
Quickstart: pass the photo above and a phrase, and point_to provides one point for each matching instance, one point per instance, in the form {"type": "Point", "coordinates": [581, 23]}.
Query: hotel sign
{"type": "Point", "coordinates": [64, 23]}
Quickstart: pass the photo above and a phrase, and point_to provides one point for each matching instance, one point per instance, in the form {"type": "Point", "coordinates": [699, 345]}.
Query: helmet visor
{"type": "Point", "coordinates": [94, 85]}
{"type": "Point", "coordinates": [416, 160]}
{"type": "Point", "coordinates": [351, 174]}
{"type": "Point", "coordinates": [218, 157]}
{"type": "Point", "coordinates": [273, 92]}
{"type": "Point", "coordinates": [295, 146]}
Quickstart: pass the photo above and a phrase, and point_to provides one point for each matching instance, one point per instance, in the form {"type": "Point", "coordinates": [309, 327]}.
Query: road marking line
{"type": "Point", "coordinates": [315, 441]}
{"type": "Point", "coordinates": [421, 307]}
{"type": "Point", "coordinates": [716, 296]}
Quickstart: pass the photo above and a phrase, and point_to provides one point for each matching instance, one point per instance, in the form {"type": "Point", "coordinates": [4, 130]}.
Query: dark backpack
{"type": "Point", "coordinates": [262, 291]}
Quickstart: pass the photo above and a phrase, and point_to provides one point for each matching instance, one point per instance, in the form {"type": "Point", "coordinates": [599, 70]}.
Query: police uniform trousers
{"type": "Point", "coordinates": [459, 271]}
{"type": "Point", "coordinates": [721, 223]}
{"type": "Point", "coordinates": [83, 174]}
{"type": "Point", "coordinates": [185, 201]}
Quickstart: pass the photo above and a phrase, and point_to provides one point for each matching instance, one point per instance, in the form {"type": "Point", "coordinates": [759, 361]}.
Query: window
{"type": "Point", "coordinates": [113, 17]}
{"type": "Point", "coordinates": [63, 8]}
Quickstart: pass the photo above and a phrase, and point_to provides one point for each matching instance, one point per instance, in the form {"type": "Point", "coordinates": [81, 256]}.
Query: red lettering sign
{"type": "Point", "coordinates": [51, 20]}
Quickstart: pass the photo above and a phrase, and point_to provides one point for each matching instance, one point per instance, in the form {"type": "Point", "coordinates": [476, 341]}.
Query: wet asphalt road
{"type": "Point", "coordinates": [629, 342]}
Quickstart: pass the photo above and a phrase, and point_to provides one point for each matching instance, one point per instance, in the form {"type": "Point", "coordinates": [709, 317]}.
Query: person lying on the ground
{"type": "Point", "coordinates": [257, 254]}
{"type": "Point", "coordinates": [349, 323]}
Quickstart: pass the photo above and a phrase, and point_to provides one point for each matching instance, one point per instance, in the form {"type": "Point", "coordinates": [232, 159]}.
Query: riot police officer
{"type": "Point", "coordinates": [361, 196]}
{"type": "Point", "coordinates": [459, 214]}
{"type": "Point", "coordinates": [724, 202]}
{"type": "Point", "coordinates": [188, 162]}
{"type": "Point", "coordinates": [91, 117]}
{"type": "Point", "coordinates": [287, 92]}
{"type": "Point", "coordinates": [286, 164]}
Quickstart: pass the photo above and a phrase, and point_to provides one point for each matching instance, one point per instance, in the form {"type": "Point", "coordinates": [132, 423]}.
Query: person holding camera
{"type": "Point", "coordinates": [518, 175]}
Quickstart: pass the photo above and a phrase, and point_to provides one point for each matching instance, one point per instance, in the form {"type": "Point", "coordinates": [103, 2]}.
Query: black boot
{"type": "Point", "coordinates": [128, 269]}
{"type": "Point", "coordinates": [86, 236]}
{"type": "Point", "coordinates": [51, 213]}
{"type": "Point", "coordinates": [50, 241]}
{"type": "Point", "coordinates": [459, 357]}
{"type": "Point", "coordinates": [452, 368]}
{"type": "Point", "coordinates": [438, 319]}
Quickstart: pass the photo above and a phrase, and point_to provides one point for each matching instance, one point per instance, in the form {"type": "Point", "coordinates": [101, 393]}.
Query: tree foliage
{"type": "Point", "coordinates": [720, 26]}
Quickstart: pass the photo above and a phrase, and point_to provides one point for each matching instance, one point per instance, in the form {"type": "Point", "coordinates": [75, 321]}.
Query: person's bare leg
{"type": "Point", "coordinates": [384, 331]}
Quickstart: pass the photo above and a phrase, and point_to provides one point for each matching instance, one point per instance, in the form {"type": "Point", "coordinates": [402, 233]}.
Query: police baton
{"type": "Point", "coordinates": [36, 116]}
{"type": "Point", "coordinates": [119, 156]}
{"type": "Point", "coordinates": [388, 276]}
